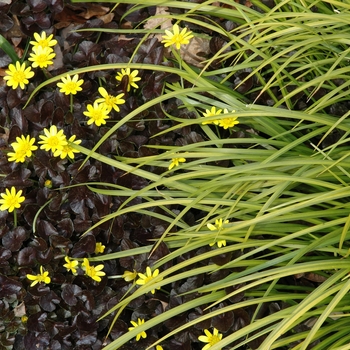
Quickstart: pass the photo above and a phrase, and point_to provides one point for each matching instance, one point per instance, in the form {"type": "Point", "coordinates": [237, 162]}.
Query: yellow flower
{"type": "Point", "coordinates": [93, 271]}
{"type": "Point", "coordinates": [209, 338]}
{"type": "Point", "coordinates": [97, 113]}
{"type": "Point", "coordinates": [48, 183]}
{"type": "Point", "coordinates": [53, 139]}
{"type": "Point", "coordinates": [71, 265]}
{"type": "Point", "coordinates": [146, 278]}
{"type": "Point", "coordinates": [139, 322]}
{"type": "Point", "coordinates": [218, 225]}
{"type": "Point", "coordinates": [18, 75]}
{"type": "Point", "coordinates": [99, 248]}
{"type": "Point", "coordinates": [70, 85]}
{"type": "Point", "coordinates": [68, 149]}
{"type": "Point", "coordinates": [159, 347]}
{"type": "Point", "coordinates": [220, 243]}
{"type": "Point", "coordinates": [129, 276]}
{"type": "Point", "coordinates": [11, 200]}
{"type": "Point", "coordinates": [41, 277]}
{"type": "Point", "coordinates": [132, 77]}
{"type": "Point", "coordinates": [176, 37]}
{"type": "Point", "coordinates": [22, 148]}
{"type": "Point", "coordinates": [211, 113]}
{"type": "Point", "coordinates": [176, 162]}
{"type": "Point", "coordinates": [43, 41]}
{"type": "Point", "coordinates": [228, 122]}
{"type": "Point", "coordinates": [41, 57]}
{"type": "Point", "coordinates": [111, 102]}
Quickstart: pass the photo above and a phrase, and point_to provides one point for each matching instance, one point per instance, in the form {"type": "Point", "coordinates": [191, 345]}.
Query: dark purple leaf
{"type": "Point", "coordinates": [27, 256]}
{"type": "Point", "coordinates": [6, 22]}
{"type": "Point", "coordinates": [88, 299]}
{"type": "Point", "coordinates": [39, 243]}
{"type": "Point", "coordinates": [5, 254]}
{"type": "Point", "coordinates": [8, 286]}
{"type": "Point", "coordinates": [37, 5]}
{"type": "Point", "coordinates": [42, 20]}
{"type": "Point", "coordinates": [222, 259]}
{"type": "Point", "coordinates": [13, 240]}
{"type": "Point", "coordinates": [32, 113]}
{"type": "Point", "coordinates": [84, 246]}
{"type": "Point", "coordinates": [49, 301]}
{"type": "Point", "coordinates": [39, 341]}
{"type": "Point", "coordinates": [224, 321]}
{"type": "Point", "coordinates": [119, 328]}
{"type": "Point", "coordinates": [85, 322]}
{"type": "Point", "coordinates": [241, 319]}
{"type": "Point", "coordinates": [60, 242]}
{"type": "Point", "coordinates": [46, 229]}
{"type": "Point", "coordinates": [14, 99]}
{"type": "Point", "coordinates": [65, 227]}
{"type": "Point", "coordinates": [69, 294]}
{"type": "Point", "coordinates": [44, 257]}
{"type": "Point", "coordinates": [18, 178]}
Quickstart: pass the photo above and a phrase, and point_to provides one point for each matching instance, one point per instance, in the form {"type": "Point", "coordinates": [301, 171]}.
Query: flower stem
{"type": "Point", "coordinates": [15, 218]}
{"type": "Point", "coordinates": [71, 103]}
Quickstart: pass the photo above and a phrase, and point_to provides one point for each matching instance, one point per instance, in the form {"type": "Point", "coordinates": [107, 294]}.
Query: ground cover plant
{"type": "Point", "coordinates": [174, 175]}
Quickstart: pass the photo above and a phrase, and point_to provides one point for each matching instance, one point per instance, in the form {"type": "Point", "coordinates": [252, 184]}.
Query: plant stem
{"type": "Point", "coordinates": [15, 218]}
{"type": "Point", "coordinates": [71, 103]}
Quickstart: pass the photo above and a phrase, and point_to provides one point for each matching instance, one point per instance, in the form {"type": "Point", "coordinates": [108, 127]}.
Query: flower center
{"type": "Point", "coordinates": [214, 339]}
{"type": "Point", "coordinates": [147, 279]}
{"type": "Point", "coordinates": [43, 43]}
{"type": "Point", "coordinates": [19, 76]}
{"type": "Point", "coordinates": [22, 153]}
{"type": "Point", "coordinates": [71, 86]}
{"type": "Point", "coordinates": [12, 202]}
{"type": "Point", "coordinates": [53, 141]}
{"type": "Point", "coordinates": [97, 115]}
{"type": "Point", "coordinates": [41, 59]}
{"type": "Point", "coordinates": [110, 100]}
{"type": "Point", "coordinates": [178, 38]}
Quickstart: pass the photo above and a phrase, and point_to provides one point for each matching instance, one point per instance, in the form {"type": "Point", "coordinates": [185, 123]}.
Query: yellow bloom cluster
{"type": "Point", "coordinates": [131, 77]}
{"type": "Point", "coordinates": [42, 53]}
{"type": "Point", "coordinates": [228, 122]}
{"type": "Point", "coordinates": [129, 275]}
{"type": "Point", "coordinates": [148, 276]}
{"type": "Point", "coordinates": [42, 277]}
{"type": "Point", "coordinates": [11, 200]}
{"type": "Point", "coordinates": [176, 37]}
{"type": "Point", "coordinates": [41, 56]}
{"type": "Point", "coordinates": [53, 140]}
{"type": "Point", "coordinates": [69, 85]}
{"type": "Point", "coordinates": [139, 322]}
{"type": "Point", "coordinates": [217, 227]}
{"type": "Point", "coordinates": [210, 339]}
{"type": "Point", "coordinates": [92, 271]}
{"type": "Point", "coordinates": [23, 147]}
{"type": "Point", "coordinates": [99, 248]}
{"type": "Point", "coordinates": [176, 162]}
{"type": "Point", "coordinates": [18, 75]}
{"type": "Point", "coordinates": [98, 112]}
{"type": "Point", "coordinates": [56, 142]}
